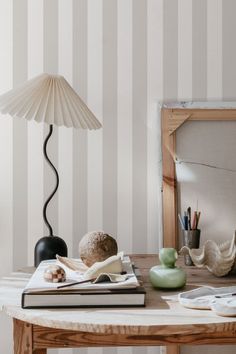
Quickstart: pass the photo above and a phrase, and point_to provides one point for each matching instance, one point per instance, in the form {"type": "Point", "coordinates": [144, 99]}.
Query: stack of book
{"type": "Point", "coordinates": [40, 294]}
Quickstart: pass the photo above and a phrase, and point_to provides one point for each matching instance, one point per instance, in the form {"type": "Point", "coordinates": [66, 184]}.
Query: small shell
{"type": "Point", "coordinates": [219, 259]}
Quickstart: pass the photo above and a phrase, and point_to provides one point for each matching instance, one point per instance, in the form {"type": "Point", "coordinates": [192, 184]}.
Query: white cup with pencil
{"type": "Point", "coordinates": [190, 231]}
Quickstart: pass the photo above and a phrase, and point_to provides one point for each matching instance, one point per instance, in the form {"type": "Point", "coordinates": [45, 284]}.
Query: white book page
{"type": "Point", "coordinates": [37, 280]}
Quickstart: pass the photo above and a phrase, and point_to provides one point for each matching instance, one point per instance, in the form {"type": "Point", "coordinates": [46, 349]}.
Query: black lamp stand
{"type": "Point", "coordinates": [49, 246]}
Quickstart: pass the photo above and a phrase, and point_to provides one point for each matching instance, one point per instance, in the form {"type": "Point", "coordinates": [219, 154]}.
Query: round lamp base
{"type": "Point", "coordinates": [48, 247]}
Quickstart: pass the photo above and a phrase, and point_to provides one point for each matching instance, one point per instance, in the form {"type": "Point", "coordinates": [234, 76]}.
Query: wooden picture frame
{"type": "Point", "coordinates": [173, 115]}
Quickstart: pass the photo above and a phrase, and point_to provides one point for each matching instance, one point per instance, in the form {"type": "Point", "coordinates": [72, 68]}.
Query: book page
{"type": "Point", "coordinates": [37, 281]}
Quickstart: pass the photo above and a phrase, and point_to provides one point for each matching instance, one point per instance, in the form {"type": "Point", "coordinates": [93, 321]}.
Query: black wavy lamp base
{"type": "Point", "coordinates": [48, 247]}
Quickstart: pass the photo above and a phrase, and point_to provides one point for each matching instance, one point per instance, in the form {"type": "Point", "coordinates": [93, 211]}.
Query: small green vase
{"type": "Point", "coordinates": [167, 275]}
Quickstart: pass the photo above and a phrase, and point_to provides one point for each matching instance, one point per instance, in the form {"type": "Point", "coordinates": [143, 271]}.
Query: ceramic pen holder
{"type": "Point", "coordinates": [191, 239]}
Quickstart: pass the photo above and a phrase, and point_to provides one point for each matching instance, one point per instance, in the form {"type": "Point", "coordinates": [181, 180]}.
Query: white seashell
{"type": "Point", "coordinates": [73, 264]}
{"type": "Point", "coordinates": [219, 259]}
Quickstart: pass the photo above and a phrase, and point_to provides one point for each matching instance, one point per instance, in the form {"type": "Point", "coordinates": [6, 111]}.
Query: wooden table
{"type": "Point", "coordinates": [162, 322]}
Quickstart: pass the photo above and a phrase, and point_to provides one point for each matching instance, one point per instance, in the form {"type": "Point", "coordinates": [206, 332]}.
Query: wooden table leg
{"type": "Point", "coordinates": [173, 349]}
{"type": "Point", "coordinates": [23, 334]}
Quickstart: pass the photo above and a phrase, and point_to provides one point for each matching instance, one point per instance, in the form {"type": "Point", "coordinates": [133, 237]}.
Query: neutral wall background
{"type": "Point", "coordinates": [122, 57]}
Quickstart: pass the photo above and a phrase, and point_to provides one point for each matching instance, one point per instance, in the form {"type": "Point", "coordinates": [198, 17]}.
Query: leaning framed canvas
{"type": "Point", "coordinates": [173, 116]}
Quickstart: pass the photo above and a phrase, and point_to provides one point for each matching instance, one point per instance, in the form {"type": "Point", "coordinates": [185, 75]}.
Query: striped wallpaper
{"type": "Point", "coordinates": [122, 57]}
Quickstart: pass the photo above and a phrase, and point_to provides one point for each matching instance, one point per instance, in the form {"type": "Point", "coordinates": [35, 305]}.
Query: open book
{"type": "Point", "coordinates": [41, 294]}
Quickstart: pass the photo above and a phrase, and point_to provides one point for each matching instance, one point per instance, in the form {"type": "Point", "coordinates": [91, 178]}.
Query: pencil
{"type": "Point", "coordinates": [181, 222]}
{"type": "Point", "coordinates": [194, 220]}
{"type": "Point", "coordinates": [185, 221]}
{"type": "Point", "coordinates": [76, 283]}
{"type": "Point", "coordinates": [189, 218]}
{"type": "Point", "coordinates": [198, 217]}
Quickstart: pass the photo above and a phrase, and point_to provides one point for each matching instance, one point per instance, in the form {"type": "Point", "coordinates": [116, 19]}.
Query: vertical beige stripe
{"type": "Point", "coordinates": [51, 66]}
{"type": "Point", "coordinates": [35, 187]}
{"type": "Point", "coordinates": [185, 61]}
{"type": "Point", "coordinates": [50, 18]}
{"type": "Point", "coordinates": [214, 49]}
{"type": "Point", "coordinates": [94, 99]}
{"type": "Point", "coordinates": [65, 189]}
{"type": "Point", "coordinates": [20, 178]}
{"type": "Point", "coordinates": [6, 196]}
{"type": "Point", "coordinates": [170, 50]}
{"type": "Point", "coordinates": [50, 42]}
{"type": "Point", "coordinates": [199, 50]}
{"type": "Point", "coordinates": [155, 95]}
{"type": "Point", "coordinates": [6, 154]}
{"type": "Point", "coordinates": [125, 350]}
{"type": "Point", "coordinates": [35, 38]}
{"type": "Point", "coordinates": [95, 184]}
{"type": "Point", "coordinates": [139, 126]}
{"type": "Point", "coordinates": [6, 333]}
{"type": "Point", "coordinates": [228, 61]}
{"type": "Point", "coordinates": [6, 143]}
{"type": "Point", "coordinates": [170, 55]}
{"type": "Point", "coordinates": [228, 50]}
{"type": "Point", "coordinates": [65, 39]}
{"type": "Point", "coordinates": [65, 157]}
{"type": "Point", "coordinates": [124, 125]}
{"type": "Point", "coordinates": [124, 131]}
{"type": "Point", "coordinates": [110, 116]}
{"type": "Point", "coordinates": [35, 131]}
{"type": "Point", "coordinates": [110, 350]}
{"type": "Point", "coordinates": [185, 50]}
{"type": "Point", "coordinates": [79, 136]}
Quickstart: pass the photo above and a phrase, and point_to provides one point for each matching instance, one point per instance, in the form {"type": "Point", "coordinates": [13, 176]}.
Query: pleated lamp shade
{"type": "Point", "coordinates": [49, 99]}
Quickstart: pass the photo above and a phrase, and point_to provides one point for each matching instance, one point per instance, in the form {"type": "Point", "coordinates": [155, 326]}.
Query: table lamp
{"type": "Point", "coordinates": [49, 99]}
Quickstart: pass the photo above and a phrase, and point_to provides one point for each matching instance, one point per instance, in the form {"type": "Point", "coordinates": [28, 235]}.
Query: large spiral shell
{"type": "Point", "coordinates": [219, 259]}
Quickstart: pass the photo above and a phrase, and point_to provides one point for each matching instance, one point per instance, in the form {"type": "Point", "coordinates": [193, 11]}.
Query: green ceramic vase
{"type": "Point", "coordinates": [167, 275]}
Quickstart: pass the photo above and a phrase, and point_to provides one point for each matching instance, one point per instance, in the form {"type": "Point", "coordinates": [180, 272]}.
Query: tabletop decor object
{"type": "Point", "coordinates": [114, 284]}
{"type": "Point", "coordinates": [190, 231]}
{"type": "Point", "coordinates": [111, 264]}
{"type": "Point", "coordinates": [161, 322]}
{"type": "Point", "coordinates": [220, 300]}
{"type": "Point", "coordinates": [96, 246]}
{"type": "Point", "coordinates": [167, 275]}
{"type": "Point", "coordinates": [219, 259]}
{"type": "Point", "coordinates": [49, 99]}
{"type": "Point", "coordinates": [72, 263]}
{"type": "Point", "coordinates": [54, 274]}
{"type": "Point", "coordinates": [191, 239]}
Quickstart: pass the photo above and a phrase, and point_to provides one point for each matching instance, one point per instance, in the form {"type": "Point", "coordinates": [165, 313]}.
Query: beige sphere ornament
{"type": "Point", "coordinates": [96, 246]}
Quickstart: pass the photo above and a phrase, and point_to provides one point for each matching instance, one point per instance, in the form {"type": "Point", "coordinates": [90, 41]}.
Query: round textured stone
{"type": "Point", "coordinates": [96, 246]}
{"type": "Point", "coordinates": [54, 274]}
